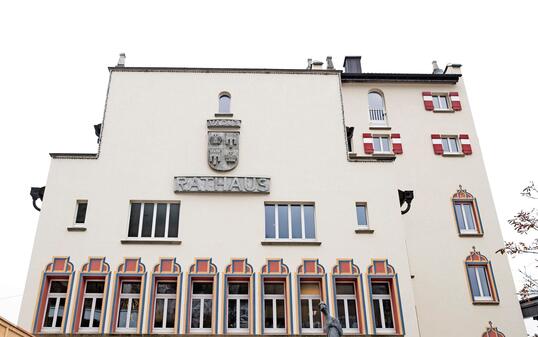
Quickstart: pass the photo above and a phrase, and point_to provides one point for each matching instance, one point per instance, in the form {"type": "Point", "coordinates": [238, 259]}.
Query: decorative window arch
{"type": "Point", "coordinates": [165, 298]}
{"type": "Point", "coordinates": [129, 291]}
{"type": "Point", "coordinates": [376, 108]}
{"type": "Point", "coordinates": [54, 296]}
{"type": "Point", "coordinates": [203, 290]}
{"type": "Point", "coordinates": [492, 332]}
{"type": "Point", "coordinates": [481, 280]}
{"type": "Point", "coordinates": [239, 290]}
{"type": "Point", "coordinates": [311, 290]}
{"type": "Point", "coordinates": [348, 296]}
{"type": "Point", "coordinates": [466, 213]}
{"type": "Point", "coordinates": [384, 291]}
{"type": "Point", "coordinates": [273, 274]}
{"type": "Point", "coordinates": [92, 295]}
{"type": "Point", "coordinates": [225, 100]}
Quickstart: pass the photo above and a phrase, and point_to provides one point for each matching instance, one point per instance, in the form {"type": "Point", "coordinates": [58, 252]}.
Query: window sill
{"type": "Point", "coordinates": [290, 243]}
{"type": "Point", "coordinates": [76, 228]}
{"type": "Point", "coordinates": [456, 154]}
{"type": "Point", "coordinates": [376, 157]}
{"type": "Point", "coordinates": [364, 231]}
{"type": "Point", "coordinates": [379, 127]}
{"type": "Point", "coordinates": [486, 302]}
{"type": "Point", "coordinates": [222, 114]}
{"type": "Point", "coordinates": [150, 241]}
{"type": "Point", "coordinates": [471, 234]}
{"type": "Point", "coordinates": [444, 110]}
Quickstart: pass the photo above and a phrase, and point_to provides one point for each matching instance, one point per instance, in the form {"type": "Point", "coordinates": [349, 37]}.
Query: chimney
{"type": "Point", "coordinates": [453, 68]}
{"type": "Point", "coordinates": [330, 65]}
{"type": "Point", "coordinates": [317, 65]}
{"type": "Point", "coordinates": [436, 69]}
{"type": "Point", "coordinates": [309, 66]}
{"type": "Point", "coordinates": [121, 60]}
{"type": "Point", "coordinates": [352, 64]}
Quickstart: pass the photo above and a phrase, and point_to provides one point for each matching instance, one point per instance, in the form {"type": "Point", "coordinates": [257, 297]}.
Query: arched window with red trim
{"type": "Point", "coordinates": [349, 297]}
{"type": "Point", "coordinates": [276, 298]}
{"type": "Point", "coordinates": [481, 280]}
{"type": "Point", "coordinates": [466, 213]}
{"type": "Point", "coordinates": [239, 297]}
{"type": "Point", "coordinates": [311, 290]}
{"type": "Point", "coordinates": [202, 297]}
{"type": "Point", "coordinates": [385, 303]}
{"type": "Point", "coordinates": [54, 296]}
{"type": "Point", "coordinates": [92, 294]}
{"type": "Point", "coordinates": [492, 332]}
{"type": "Point", "coordinates": [165, 297]}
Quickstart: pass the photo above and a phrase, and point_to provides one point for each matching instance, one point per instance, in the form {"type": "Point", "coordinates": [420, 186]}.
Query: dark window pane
{"type": "Point", "coordinates": [238, 288]}
{"type": "Point", "coordinates": [95, 287]}
{"type": "Point", "coordinates": [195, 313]}
{"type": "Point", "coordinates": [468, 208]}
{"type": "Point", "coordinates": [49, 315]}
{"type": "Point", "coordinates": [86, 313]}
{"type": "Point", "coordinates": [166, 287]}
{"type": "Point", "coordinates": [273, 288]}
{"type": "Point", "coordinates": [341, 312]}
{"type": "Point", "coordinates": [280, 314]}
{"type": "Point", "coordinates": [173, 221]}
{"type": "Point", "coordinates": [97, 312]}
{"type": "Point", "coordinates": [296, 223]}
{"type": "Point", "coordinates": [122, 317]}
{"type": "Point", "coordinates": [283, 232]}
{"type": "Point", "coordinates": [352, 313]}
{"type": "Point", "coordinates": [474, 282]}
{"type": "Point", "coordinates": [243, 314]}
{"type": "Point", "coordinates": [483, 281]}
{"type": "Point", "coordinates": [305, 311]}
{"type": "Point", "coordinates": [316, 314]}
{"type": "Point", "coordinates": [60, 316]}
{"type": "Point", "coordinates": [81, 212]}
{"type": "Point", "coordinates": [268, 310]}
{"type": "Point", "coordinates": [159, 313]}
{"type": "Point", "coordinates": [232, 313]}
{"type": "Point", "coordinates": [459, 216]}
{"type": "Point", "coordinates": [387, 312]}
{"type": "Point", "coordinates": [345, 289]}
{"type": "Point", "coordinates": [270, 230]}
{"type": "Point", "coordinates": [377, 314]}
{"type": "Point", "coordinates": [207, 313]}
{"type": "Point", "coordinates": [147, 220]}
{"type": "Point", "coordinates": [310, 229]}
{"type": "Point", "coordinates": [160, 221]}
{"type": "Point", "coordinates": [58, 287]}
{"type": "Point", "coordinates": [202, 288]}
{"type": "Point", "coordinates": [130, 288]}
{"type": "Point", "coordinates": [133, 321]}
{"type": "Point", "coordinates": [134, 220]}
{"type": "Point", "coordinates": [170, 313]}
{"type": "Point", "coordinates": [361, 216]}
{"type": "Point", "coordinates": [380, 288]}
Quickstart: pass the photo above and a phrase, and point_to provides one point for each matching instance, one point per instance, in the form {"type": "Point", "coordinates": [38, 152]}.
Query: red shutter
{"type": "Point", "coordinates": [437, 144]}
{"type": "Point", "coordinates": [465, 144]}
{"type": "Point", "coordinates": [368, 143]}
{"type": "Point", "coordinates": [396, 143]}
{"type": "Point", "coordinates": [428, 100]}
{"type": "Point", "coordinates": [455, 101]}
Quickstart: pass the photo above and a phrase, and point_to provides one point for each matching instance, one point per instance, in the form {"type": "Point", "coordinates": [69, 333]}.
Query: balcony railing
{"type": "Point", "coordinates": [378, 116]}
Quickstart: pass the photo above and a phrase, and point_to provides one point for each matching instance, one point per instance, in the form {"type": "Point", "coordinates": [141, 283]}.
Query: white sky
{"type": "Point", "coordinates": [53, 78]}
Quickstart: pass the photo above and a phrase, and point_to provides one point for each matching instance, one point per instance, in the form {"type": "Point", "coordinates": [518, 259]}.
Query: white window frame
{"type": "Point", "coordinates": [346, 298]}
{"type": "Point", "coordinates": [166, 298]}
{"type": "Point", "coordinates": [290, 226]}
{"type": "Point", "coordinates": [362, 204]}
{"type": "Point", "coordinates": [480, 285]}
{"type": "Point", "coordinates": [383, 150]}
{"type": "Point", "coordinates": [274, 298]}
{"type": "Point", "coordinates": [374, 111]}
{"type": "Point", "coordinates": [94, 297]}
{"type": "Point", "coordinates": [237, 298]}
{"type": "Point", "coordinates": [154, 220]}
{"type": "Point", "coordinates": [450, 149]}
{"type": "Point", "coordinates": [310, 298]}
{"type": "Point", "coordinates": [58, 297]}
{"type": "Point", "coordinates": [79, 202]}
{"type": "Point", "coordinates": [379, 298]}
{"type": "Point", "coordinates": [467, 230]}
{"type": "Point", "coordinates": [435, 97]}
{"type": "Point", "coordinates": [130, 298]}
{"type": "Point", "coordinates": [202, 298]}
{"type": "Point", "coordinates": [221, 105]}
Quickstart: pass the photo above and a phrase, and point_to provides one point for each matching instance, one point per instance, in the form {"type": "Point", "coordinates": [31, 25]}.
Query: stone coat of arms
{"type": "Point", "coordinates": [223, 150]}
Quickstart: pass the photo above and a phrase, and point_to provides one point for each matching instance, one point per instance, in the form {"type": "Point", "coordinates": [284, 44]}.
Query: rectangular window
{"type": "Point", "coordinates": [480, 285]}
{"type": "Point", "coordinates": [362, 219]}
{"type": "Point", "coordinates": [80, 217]}
{"type": "Point", "coordinates": [450, 144]}
{"type": "Point", "coordinates": [465, 217]}
{"type": "Point", "coordinates": [274, 307]}
{"type": "Point", "coordinates": [382, 310]}
{"type": "Point", "coordinates": [440, 102]}
{"type": "Point", "coordinates": [289, 221]}
{"type": "Point", "coordinates": [92, 305]}
{"type": "Point", "coordinates": [201, 306]}
{"type": "Point", "coordinates": [238, 307]}
{"type": "Point", "coordinates": [165, 306]}
{"type": "Point", "coordinates": [129, 306]}
{"type": "Point", "coordinates": [346, 305]}
{"type": "Point", "coordinates": [54, 312]}
{"type": "Point", "coordinates": [381, 144]}
{"type": "Point", "coordinates": [310, 314]}
{"type": "Point", "coordinates": [154, 220]}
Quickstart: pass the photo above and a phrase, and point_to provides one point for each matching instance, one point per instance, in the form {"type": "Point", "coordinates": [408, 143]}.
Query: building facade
{"type": "Point", "coordinates": [235, 201]}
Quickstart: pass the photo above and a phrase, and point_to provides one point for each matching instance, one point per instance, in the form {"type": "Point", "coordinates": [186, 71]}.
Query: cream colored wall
{"type": "Point", "coordinates": [436, 252]}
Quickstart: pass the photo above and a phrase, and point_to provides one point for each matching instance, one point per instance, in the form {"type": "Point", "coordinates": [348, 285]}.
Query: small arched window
{"type": "Point", "coordinates": [376, 108]}
{"type": "Point", "coordinates": [224, 102]}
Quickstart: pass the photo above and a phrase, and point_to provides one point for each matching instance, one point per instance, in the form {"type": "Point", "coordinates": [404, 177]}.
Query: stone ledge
{"type": "Point", "coordinates": [290, 243]}
{"type": "Point", "coordinates": [150, 241]}
{"type": "Point", "coordinates": [371, 158]}
{"type": "Point", "coordinates": [76, 228]}
{"type": "Point", "coordinates": [364, 231]}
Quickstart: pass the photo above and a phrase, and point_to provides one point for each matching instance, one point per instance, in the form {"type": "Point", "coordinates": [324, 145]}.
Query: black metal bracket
{"type": "Point", "coordinates": [406, 197]}
{"type": "Point", "coordinates": [97, 128]}
{"type": "Point", "coordinates": [37, 193]}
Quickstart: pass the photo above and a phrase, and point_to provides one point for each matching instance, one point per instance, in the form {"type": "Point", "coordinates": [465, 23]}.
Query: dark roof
{"type": "Point", "coordinates": [397, 77]}
{"type": "Point", "coordinates": [73, 155]}
{"type": "Point", "coordinates": [529, 307]}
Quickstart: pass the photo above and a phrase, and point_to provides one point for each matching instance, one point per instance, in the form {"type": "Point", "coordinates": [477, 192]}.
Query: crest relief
{"type": "Point", "coordinates": [222, 148]}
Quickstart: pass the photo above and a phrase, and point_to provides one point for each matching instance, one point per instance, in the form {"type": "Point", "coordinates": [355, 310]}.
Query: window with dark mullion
{"type": "Point", "coordinates": [147, 220]}
{"type": "Point", "coordinates": [173, 221]}
{"type": "Point", "coordinates": [160, 221]}
{"type": "Point", "coordinates": [154, 220]}
{"type": "Point", "coordinates": [82, 206]}
{"type": "Point", "coordinates": [134, 219]}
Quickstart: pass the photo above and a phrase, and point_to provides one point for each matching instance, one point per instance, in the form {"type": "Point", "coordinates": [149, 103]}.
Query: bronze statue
{"type": "Point", "coordinates": [332, 325]}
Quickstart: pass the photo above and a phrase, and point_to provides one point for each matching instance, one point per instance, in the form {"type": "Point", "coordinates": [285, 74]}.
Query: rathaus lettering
{"type": "Point", "coordinates": [222, 184]}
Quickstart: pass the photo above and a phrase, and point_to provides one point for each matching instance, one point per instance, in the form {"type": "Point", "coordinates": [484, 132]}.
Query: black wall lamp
{"type": "Point", "coordinates": [37, 193]}
{"type": "Point", "coordinates": [406, 197]}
